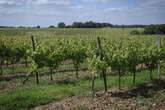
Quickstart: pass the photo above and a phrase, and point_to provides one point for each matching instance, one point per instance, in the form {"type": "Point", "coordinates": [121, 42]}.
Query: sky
{"type": "Point", "coordinates": [51, 12]}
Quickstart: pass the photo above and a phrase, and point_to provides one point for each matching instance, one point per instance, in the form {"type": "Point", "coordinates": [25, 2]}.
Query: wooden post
{"type": "Point", "coordinates": [33, 45]}
{"type": "Point", "coordinates": [121, 42]}
{"type": "Point", "coordinates": [64, 60]}
{"type": "Point", "coordinates": [13, 67]}
{"type": "Point", "coordinates": [119, 86]}
{"type": "Point", "coordinates": [119, 77]}
{"type": "Point", "coordinates": [103, 72]}
{"type": "Point", "coordinates": [134, 76]}
{"type": "Point", "coordinates": [51, 74]}
{"type": "Point", "coordinates": [26, 64]}
{"type": "Point", "coordinates": [77, 71]}
{"type": "Point", "coordinates": [27, 78]}
{"type": "Point", "coordinates": [93, 83]}
{"type": "Point", "coordinates": [104, 40]}
{"type": "Point", "coordinates": [1, 68]}
{"type": "Point", "coordinates": [64, 65]}
{"type": "Point", "coordinates": [1, 62]}
{"type": "Point", "coordinates": [159, 40]}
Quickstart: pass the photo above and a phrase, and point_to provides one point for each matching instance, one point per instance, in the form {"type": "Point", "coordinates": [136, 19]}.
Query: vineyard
{"type": "Point", "coordinates": [39, 66]}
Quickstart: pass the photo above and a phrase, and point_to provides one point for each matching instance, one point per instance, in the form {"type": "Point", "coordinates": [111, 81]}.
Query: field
{"type": "Point", "coordinates": [59, 69]}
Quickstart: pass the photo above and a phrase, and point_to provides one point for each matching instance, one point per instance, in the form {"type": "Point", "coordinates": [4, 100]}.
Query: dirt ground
{"type": "Point", "coordinates": [147, 97]}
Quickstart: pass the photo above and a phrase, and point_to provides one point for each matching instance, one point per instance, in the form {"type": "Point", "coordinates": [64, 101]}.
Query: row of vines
{"type": "Point", "coordinates": [122, 56]}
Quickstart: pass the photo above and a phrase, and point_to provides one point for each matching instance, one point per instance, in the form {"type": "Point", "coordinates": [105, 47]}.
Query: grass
{"type": "Point", "coordinates": [21, 69]}
{"type": "Point", "coordinates": [25, 70]}
{"type": "Point", "coordinates": [49, 35]}
{"type": "Point", "coordinates": [47, 91]}
{"type": "Point", "coordinates": [43, 80]}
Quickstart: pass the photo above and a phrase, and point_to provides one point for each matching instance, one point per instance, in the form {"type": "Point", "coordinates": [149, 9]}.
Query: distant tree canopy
{"type": "Point", "coordinates": [151, 29]}
{"type": "Point", "coordinates": [91, 24]}
{"type": "Point", "coordinates": [21, 27]}
{"type": "Point", "coordinates": [61, 25]}
{"type": "Point", "coordinates": [148, 29]}
{"type": "Point", "coordinates": [88, 24]}
{"type": "Point", "coordinates": [51, 26]}
{"type": "Point", "coordinates": [6, 27]}
{"type": "Point", "coordinates": [130, 26]}
{"type": "Point", "coordinates": [155, 29]}
{"type": "Point", "coordinates": [38, 26]}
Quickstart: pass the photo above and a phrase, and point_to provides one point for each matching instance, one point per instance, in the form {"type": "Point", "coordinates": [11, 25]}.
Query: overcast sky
{"type": "Point", "coordinates": [51, 12]}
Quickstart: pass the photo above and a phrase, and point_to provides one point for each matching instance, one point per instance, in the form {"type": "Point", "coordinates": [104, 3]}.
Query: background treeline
{"type": "Point", "coordinates": [89, 24]}
{"type": "Point", "coordinates": [155, 29]}
{"type": "Point", "coordinates": [6, 27]}
{"type": "Point", "coordinates": [130, 26]}
{"type": "Point", "coordinates": [151, 29]}
{"type": "Point", "coordinates": [148, 29]}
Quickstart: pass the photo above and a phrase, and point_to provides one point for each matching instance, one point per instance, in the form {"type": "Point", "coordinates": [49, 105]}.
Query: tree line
{"type": "Point", "coordinates": [151, 29]}
{"type": "Point", "coordinates": [88, 24]}
{"type": "Point", "coordinates": [91, 24]}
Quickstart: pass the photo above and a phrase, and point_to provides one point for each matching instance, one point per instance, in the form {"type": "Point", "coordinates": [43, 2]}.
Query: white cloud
{"type": "Point", "coordinates": [100, 0]}
{"type": "Point", "coordinates": [49, 2]}
{"type": "Point", "coordinates": [41, 2]}
{"type": "Point", "coordinates": [9, 3]}
{"type": "Point", "coordinates": [114, 9]}
{"type": "Point", "coordinates": [7, 11]}
{"type": "Point", "coordinates": [153, 4]}
{"type": "Point", "coordinates": [29, 2]}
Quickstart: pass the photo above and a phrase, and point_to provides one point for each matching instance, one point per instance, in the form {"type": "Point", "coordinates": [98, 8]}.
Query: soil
{"type": "Point", "coordinates": [150, 96]}
{"type": "Point", "coordinates": [18, 75]}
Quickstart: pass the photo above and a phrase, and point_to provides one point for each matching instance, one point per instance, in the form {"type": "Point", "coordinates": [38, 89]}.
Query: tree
{"type": "Point", "coordinates": [61, 25]}
{"type": "Point", "coordinates": [51, 26]}
{"type": "Point", "coordinates": [77, 25]}
{"type": "Point", "coordinates": [155, 29]}
{"type": "Point", "coordinates": [38, 26]}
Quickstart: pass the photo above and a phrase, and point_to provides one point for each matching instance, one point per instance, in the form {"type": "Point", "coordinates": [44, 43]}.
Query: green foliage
{"type": "Point", "coordinates": [38, 26]}
{"type": "Point", "coordinates": [53, 57]}
{"type": "Point", "coordinates": [90, 24]}
{"type": "Point", "coordinates": [11, 52]}
{"type": "Point", "coordinates": [51, 26]}
{"type": "Point", "coordinates": [77, 52]}
{"type": "Point", "coordinates": [61, 25]}
{"type": "Point", "coordinates": [135, 32]}
{"type": "Point", "coordinates": [155, 29]}
{"type": "Point", "coordinates": [96, 65]}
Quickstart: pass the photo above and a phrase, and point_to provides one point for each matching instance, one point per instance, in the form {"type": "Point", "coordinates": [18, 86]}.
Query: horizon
{"type": "Point", "coordinates": [30, 13]}
{"type": "Point", "coordinates": [21, 26]}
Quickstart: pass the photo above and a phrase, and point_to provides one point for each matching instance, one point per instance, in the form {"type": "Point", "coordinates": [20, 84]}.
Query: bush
{"type": "Point", "coordinates": [135, 32]}
{"type": "Point", "coordinates": [155, 29]}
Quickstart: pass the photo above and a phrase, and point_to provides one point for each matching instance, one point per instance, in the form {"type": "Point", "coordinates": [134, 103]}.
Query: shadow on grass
{"type": "Point", "coordinates": [144, 90]}
{"type": "Point", "coordinates": [65, 82]}
{"type": "Point", "coordinates": [73, 80]}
